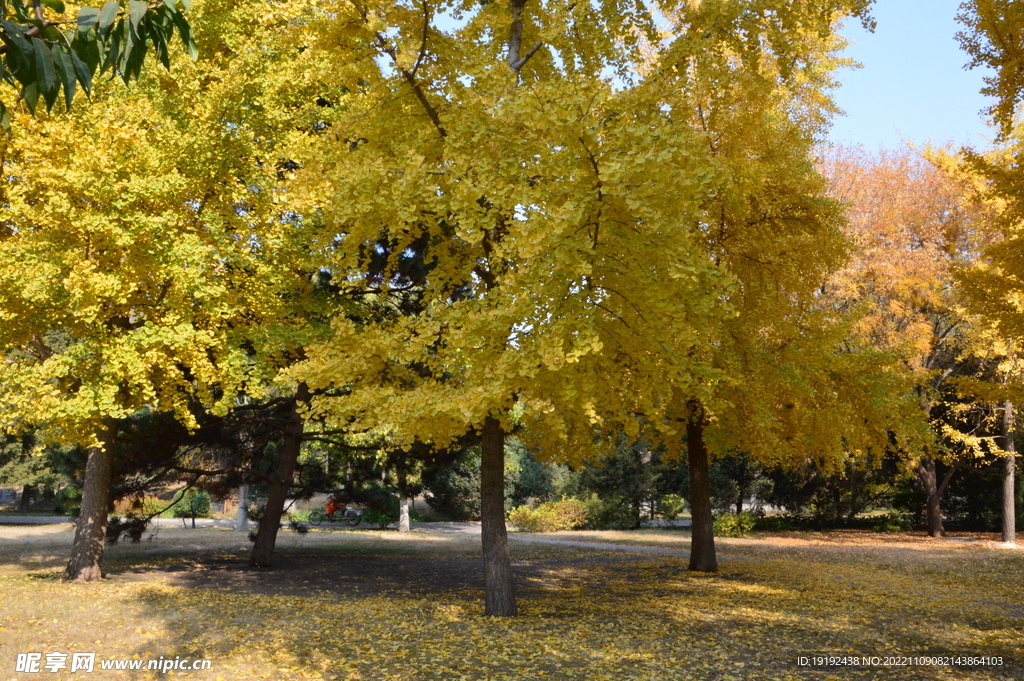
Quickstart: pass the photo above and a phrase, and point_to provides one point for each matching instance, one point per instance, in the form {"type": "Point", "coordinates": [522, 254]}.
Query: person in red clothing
{"type": "Point", "coordinates": [333, 505]}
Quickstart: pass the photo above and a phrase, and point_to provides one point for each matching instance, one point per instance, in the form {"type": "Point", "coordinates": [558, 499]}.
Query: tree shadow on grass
{"type": "Point", "coordinates": [583, 616]}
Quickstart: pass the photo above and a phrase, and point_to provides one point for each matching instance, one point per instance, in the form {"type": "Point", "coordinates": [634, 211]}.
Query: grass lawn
{"type": "Point", "coordinates": [378, 605]}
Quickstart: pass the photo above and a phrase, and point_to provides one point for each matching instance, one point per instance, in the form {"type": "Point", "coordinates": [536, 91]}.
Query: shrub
{"type": "Point", "coordinates": [611, 513]}
{"type": "Point", "coordinates": [894, 521]}
{"type": "Point", "coordinates": [670, 506]}
{"type": "Point", "coordinates": [129, 526]}
{"type": "Point", "coordinates": [553, 516]}
{"type": "Point", "coordinates": [147, 505]}
{"type": "Point", "coordinates": [779, 523]}
{"type": "Point", "coordinates": [69, 501]}
{"type": "Point", "coordinates": [381, 518]}
{"type": "Point", "coordinates": [734, 524]}
{"type": "Point", "coordinates": [194, 498]}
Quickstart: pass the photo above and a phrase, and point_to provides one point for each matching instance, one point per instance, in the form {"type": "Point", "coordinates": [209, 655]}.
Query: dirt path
{"type": "Point", "coordinates": [604, 547]}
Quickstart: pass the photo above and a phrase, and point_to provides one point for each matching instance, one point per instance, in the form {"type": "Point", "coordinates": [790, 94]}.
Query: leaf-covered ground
{"type": "Point", "coordinates": [371, 605]}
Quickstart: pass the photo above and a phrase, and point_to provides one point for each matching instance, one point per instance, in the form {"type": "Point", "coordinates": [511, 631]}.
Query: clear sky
{"type": "Point", "coordinates": [912, 86]}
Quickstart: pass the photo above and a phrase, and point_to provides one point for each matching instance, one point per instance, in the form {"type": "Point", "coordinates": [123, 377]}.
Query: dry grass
{"type": "Point", "coordinates": [373, 605]}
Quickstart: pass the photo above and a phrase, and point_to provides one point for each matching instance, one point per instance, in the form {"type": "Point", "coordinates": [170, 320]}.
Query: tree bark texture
{"type": "Point", "coordinates": [926, 474]}
{"type": "Point", "coordinates": [26, 495]}
{"type": "Point", "coordinates": [1009, 474]}
{"type": "Point", "coordinates": [499, 595]}
{"type": "Point", "coordinates": [91, 529]}
{"type": "Point", "coordinates": [242, 517]}
{"type": "Point", "coordinates": [280, 482]}
{"type": "Point", "coordinates": [702, 543]}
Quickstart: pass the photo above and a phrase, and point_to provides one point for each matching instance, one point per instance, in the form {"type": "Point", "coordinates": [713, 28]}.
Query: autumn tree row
{"type": "Point", "coordinates": [432, 220]}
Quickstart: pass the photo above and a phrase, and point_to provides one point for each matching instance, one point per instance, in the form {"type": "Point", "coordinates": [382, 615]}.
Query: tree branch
{"type": "Point", "coordinates": [515, 39]}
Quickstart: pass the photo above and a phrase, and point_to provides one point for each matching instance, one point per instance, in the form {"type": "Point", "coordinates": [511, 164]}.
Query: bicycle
{"type": "Point", "coordinates": [349, 516]}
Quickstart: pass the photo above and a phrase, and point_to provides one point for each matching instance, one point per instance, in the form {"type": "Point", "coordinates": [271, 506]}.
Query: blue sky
{"type": "Point", "coordinates": [912, 87]}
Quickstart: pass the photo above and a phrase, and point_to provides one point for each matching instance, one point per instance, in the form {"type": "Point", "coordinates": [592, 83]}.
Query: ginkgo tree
{"type": "Point", "coordinates": [555, 163]}
{"type": "Point", "coordinates": [148, 263]}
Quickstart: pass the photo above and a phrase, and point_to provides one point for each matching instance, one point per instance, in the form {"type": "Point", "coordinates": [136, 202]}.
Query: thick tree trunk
{"type": "Point", "coordinates": [242, 517]}
{"type": "Point", "coordinates": [403, 512]}
{"type": "Point", "coordinates": [26, 495]}
{"type": "Point", "coordinates": [499, 595]}
{"type": "Point", "coordinates": [280, 482]}
{"type": "Point", "coordinates": [91, 528]}
{"type": "Point", "coordinates": [403, 501]}
{"type": "Point", "coordinates": [926, 474]}
{"type": "Point", "coordinates": [702, 543]}
{"type": "Point", "coordinates": [1009, 484]}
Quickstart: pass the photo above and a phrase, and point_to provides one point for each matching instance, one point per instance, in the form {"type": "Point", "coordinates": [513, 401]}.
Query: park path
{"type": "Point", "coordinates": [446, 527]}
{"type": "Point", "coordinates": [474, 528]}
{"type": "Point", "coordinates": [603, 546]}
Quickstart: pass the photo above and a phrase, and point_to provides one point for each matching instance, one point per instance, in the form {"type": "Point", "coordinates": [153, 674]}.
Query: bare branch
{"type": "Point", "coordinates": [515, 39]}
{"type": "Point", "coordinates": [522, 62]}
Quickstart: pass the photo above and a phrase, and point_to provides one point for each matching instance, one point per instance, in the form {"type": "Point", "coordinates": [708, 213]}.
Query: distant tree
{"type": "Point", "coordinates": [23, 464]}
{"type": "Point", "coordinates": [913, 225]}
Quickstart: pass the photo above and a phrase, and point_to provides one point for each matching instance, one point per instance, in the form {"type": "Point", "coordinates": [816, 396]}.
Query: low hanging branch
{"type": "Point", "coordinates": [41, 57]}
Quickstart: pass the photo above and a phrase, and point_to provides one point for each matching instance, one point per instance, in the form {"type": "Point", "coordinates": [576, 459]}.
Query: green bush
{"type": "Point", "coordinates": [553, 516]}
{"type": "Point", "coordinates": [194, 499]}
{"type": "Point", "coordinates": [670, 506]}
{"type": "Point", "coordinates": [611, 513]}
{"type": "Point", "coordinates": [734, 524]}
{"type": "Point", "coordinates": [779, 523]}
{"type": "Point", "coordinates": [380, 518]}
{"type": "Point", "coordinates": [894, 521]}
{"type": "Point", "coordinates": [69, 500]}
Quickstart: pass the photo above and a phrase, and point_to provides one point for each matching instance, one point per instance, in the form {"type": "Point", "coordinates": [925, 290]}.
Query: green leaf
{"type": "Point", "coordinates": [5, 118]}
{"type": "Point", "coordinates": [83, 72]}
{"type": "Point", "coordinates": [127, 44]}
{"type": "Point", "coordinates": [87, 18]}
{"type": "Point", "coordinates": [114, 46]}
{"type": "Point", "coordinates": [31, 95]}
{"type": "Point", "coordinates": [107, 17]}
{"type": "Point", "coordinates": [160, 47]}
{"type": "Point", "coordinates": [138, 10]}
{"type": "Point", "coordinates": [56, 5]}
{"type": "Point", "coordinates": [66, 73]}
{"type": "Point", "coordinates": [17, 35]}
{"type": "Point", "coordinates": [185, 31]}
{"type": "Point", "coordinates": [132, 66]}
{"type": "Point", "coordinates": [46, 71]}
{"type": "Point", "coordinates": [186, 5]}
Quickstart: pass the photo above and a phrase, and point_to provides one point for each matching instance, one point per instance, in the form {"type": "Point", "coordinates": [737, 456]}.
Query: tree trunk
{"type": "Point", "coordinates": [1009, 484]}
{"type": "Point", "coordinates": [702, 543]}
{"type": "Point", "coordinates": [91, 528]}
{"type": "Point", "coordinates": [403, 512]}
{"type": "Point", "coordinates": [26, 495]}
{"type": "Point", "coordinates": [280, 483]}
{"type": "Point", "coordinates": [242, 516]}
{"type": "Point", "coordinates": [499, 595]}
{"type": "Point", "coordinates": [926, 474]}
{"type": "Point", "coordinates": [403, 501]}
{"type": "Point", "coordinates": [739, 504]}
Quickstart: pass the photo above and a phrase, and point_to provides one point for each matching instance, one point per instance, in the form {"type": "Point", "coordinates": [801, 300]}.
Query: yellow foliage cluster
{"type": "Point", "coordinates": [145, 260]}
